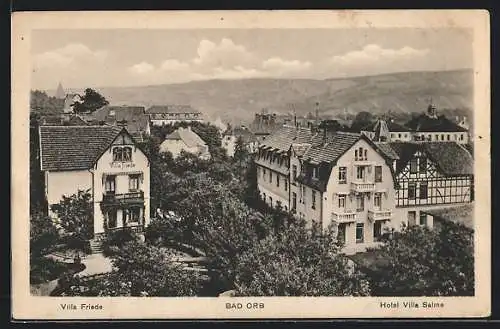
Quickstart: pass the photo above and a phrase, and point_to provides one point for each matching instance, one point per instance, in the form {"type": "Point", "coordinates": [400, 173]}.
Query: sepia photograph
{"type": "Point", "coordinates": [219, 165]}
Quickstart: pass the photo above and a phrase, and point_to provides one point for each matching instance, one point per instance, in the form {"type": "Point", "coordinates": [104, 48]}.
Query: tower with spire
{"type": "Point", "coordinates": [60, 94]}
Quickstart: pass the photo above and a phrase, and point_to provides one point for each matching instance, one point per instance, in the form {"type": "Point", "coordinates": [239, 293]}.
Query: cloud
{"type": "Point", "coordinates": [142, 68]}
{"type": "Point", "coordinates": [373, 53]}
{"type": "Point", "coordinates": [71, 54]}
{"type": "Point", "coordinates": [223, 60]}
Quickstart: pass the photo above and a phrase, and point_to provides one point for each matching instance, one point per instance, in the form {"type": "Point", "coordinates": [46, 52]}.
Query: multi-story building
{"type": "Point", "coordinates": [341, 178]}
{"type": "Point", "coordinates": [430, 175]}
{"type": "Point", "coordinates": [160, 115]}
{"type": "Point", "coordinates": [431, 127]}
{"type": "Point", "coordinates": [364, 188]}
{"type": "Point", "coordinates": [104, 160]}
{"type": "Point", "coordinates": [386, 131]}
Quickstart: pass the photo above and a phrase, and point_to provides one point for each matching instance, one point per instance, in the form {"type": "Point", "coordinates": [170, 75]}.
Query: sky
{"type": "Point", "coordinates": [134, 57]}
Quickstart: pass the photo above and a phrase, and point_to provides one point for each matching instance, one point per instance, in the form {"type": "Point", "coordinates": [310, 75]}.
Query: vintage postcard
{"type": "Point", "coordinates": [251, 165]}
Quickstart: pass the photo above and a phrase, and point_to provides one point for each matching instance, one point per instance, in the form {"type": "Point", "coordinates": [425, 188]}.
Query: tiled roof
{"type": "Point", "coordinates": [463, 214]}
{"type": "Point", "coordinates": [387, 150]}
{"type": "Point", "coordinates": [74, 147]}
{"type": "Point", "coordinates": [171, 109]}
{"type": "Point", "coordinates": [330, 147]}
{"type": "Point", "coordinates": [451, 158]}
{"type": "Point", "coordinates": [187, 136]}
{"type": "Point", "coordinates": [134, 117]}
{"type": "Point", "coordinates": [425, 123]}
{"type": "Point", "coordinates": [284, 137]}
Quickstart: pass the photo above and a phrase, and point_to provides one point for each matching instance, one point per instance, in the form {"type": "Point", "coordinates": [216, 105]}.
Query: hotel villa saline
{"type": "Point", "coordinates": [101, 181]}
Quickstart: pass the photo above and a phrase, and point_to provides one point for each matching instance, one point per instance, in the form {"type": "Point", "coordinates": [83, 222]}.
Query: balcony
{"type": "Point", "coordinates": [362, 186]}
{"type": "Point", "coordinates": [133, 227]}
{"type": "Point", "coordinates": [343, 217]}
{"type": "Point", "coordinates": [379, 214]}
{"type": "Point", "coordinates": [123, 198]}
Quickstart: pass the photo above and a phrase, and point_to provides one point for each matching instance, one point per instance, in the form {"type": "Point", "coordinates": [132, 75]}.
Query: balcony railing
{"type": "Point", "coordinates": [363, 186]}
{"type": "Point", "coordinates": [135, 228]}
{"type": "Point", "coordinates": [379, 214]}
{"type": "Point", "coordinates": [130, 197]}
{"type": "Point", "coordinates": [343, 217]}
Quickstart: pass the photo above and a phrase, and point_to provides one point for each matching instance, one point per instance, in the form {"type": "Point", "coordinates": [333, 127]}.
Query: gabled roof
{"type": "Point", "coordinates": [426, 123]}
{"type": "Point", "coordinates": [330, 147]}
{"type": "Point", "coordinates": [386, 148]}
{"type": "Point", "coordinates": [189, 137]}
{"type": "Point", "coordinates": [284, 137]}
{"type": "Point", "coordinates": [391, 125]}
{"type": "Point", "coordinates": [133, 117]}
{"type": "Point", "coordinates": [170, 109]}
{"type": "Point", "coordinates": [74, 147]}
{"type": "Point", "coordinates": [451, 158]}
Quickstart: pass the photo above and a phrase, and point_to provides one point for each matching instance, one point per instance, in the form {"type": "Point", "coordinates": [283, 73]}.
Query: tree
{"type": "Point", "coordinates": [43, 235]}
{"type": "Point", "coordinates": [361, 120]}
{"type": "Point", "coordinates": [90, 102]}
{"type": "Point", "coordinates": [42, 103]}
{"type": "Point", "coordinates": [76, 214]}
{"type": "Point", "coordinates": [297, 262]}
{"type": "Point", "coordinates": [140, 270]}
{"type": "Point", "coordinates": [423, 262]}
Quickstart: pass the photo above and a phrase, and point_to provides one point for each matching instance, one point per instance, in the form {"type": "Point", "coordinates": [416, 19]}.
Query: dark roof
{"type": "Point", "coordinates": [62, 120]}
{"type": "Point", "coordinates": [74, 147]}
{"type": "Point", "coordinates": [463, 214]}
{"type": "Point", "coordinates": [386, 148]}
{"type": "Point", "coordinates": [284, 137]}
{"type": "Point", "coordinates": [391, 125]}
{"type": "Point", "coordinates": [425, 123]}
{"type": "Point", "coordinates": [451, 158]}
{"type": "Point", "coordinates": [171, 109]}
{"type": "Point", "coordinates": [244, 133]}
{"type": "Point", "coordinates": [133, 117]}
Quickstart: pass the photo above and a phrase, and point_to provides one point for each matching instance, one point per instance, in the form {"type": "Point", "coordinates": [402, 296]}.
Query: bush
{"type": "Point", "coordinates": [115, 240]}
{"type": "Point", "coordinates": [45, 269]}
{"type": "Point", "coordinates": [77, 242]}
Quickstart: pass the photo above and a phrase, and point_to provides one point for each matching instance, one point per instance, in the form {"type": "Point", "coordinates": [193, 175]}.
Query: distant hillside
{"type": "Point", "coordinates": [237, 100]}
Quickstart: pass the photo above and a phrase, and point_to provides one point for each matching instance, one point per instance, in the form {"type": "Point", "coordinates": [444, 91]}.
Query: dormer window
{"type": "Point", "coordinates": [360, 154]}
{"type": "Point", "coordinates": [122, 153]}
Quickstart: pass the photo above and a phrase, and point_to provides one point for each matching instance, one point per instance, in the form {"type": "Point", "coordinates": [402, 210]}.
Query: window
{"type": "Point", "coordinates": [406, 135]}
{"type": "Point", "coordinates": [270, 201]}
{"type": "Point", "coordinates": [461, 137]}
{"type": "Point", "coordinates": [423, 219]}
{"type": "Point", "coordinates": [377, 201]}
{"type": "Point", "coordinates": [286, 184]}
{"type": "Point", "coordinates": [294, 200]}
{"type": "Point", "coordinates": [313, 195]}
{"type": "Point", "coordinates": [133, 183]}
{"type": "Point", "coordinates": [342, 201]}
{"type": "Point", "coordinates": [303, 194]}
{"type": "Point", "coordinates": [365, 154]}
{"type": "Point", "coordinates": [411, 218]}
{"type": "Point", "coordinates": [360, 203]}
{"type": "Point", "coordinates": [264, 197]}
{"type": "Point", "coordinates": [377, 230]}
{"type": "Point", "coordinates": [360, 154]}
{"type": "Point", "coordinates": [378, 174]}
{"type": "Point", "coordinates": [109, 185]}
{"type": "Point", "coordinates": [436, 137]}
{"type": "Point", "coordinates": [399, 135]}
{"type": "Point", "coordinates": [413, 166]}
{"type": "Point", "coordinates": [360, 232]}
{"type": "Point", "coordinates": [112, 218]}
{"type": "Point", "coordinates": [315, 172]}
{"type": "Point", "coordinates": [270, 176]}
{"type": "Point", "coordinates": [131, 215]}
{"type": "Point", "coordinates": [341, 233]}
{"type": "Point", "coordinates": [412, 191]}
{"type": "Point", "coordinates": [294, 172]}
{"type": "Point", "coordinates": [122, 153]}
{"type": "Point", "coordinates": [342, 175]}
{"type": "Point", "coordinates": [422, 165]}
{"type": "Point", "coordinates": [448, 137]}
{"type": "Point", "coordinates": [442, 137]}
{"type": "Point", "coordinates": [277, 181]}
{"type": "Point", "coordinates": [360, 172]}
{"type": "Point", "coordinates": [423, 190]}
{"type": "Point", "coordinates": [392, 135]}
{"type": "Point", "coordinates": [264, 172]}
{"type": "Point", "coordinates": [356, 155]}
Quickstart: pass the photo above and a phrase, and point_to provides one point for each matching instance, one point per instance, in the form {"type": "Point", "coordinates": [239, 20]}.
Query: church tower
{"type": "Point", "coordinates": [60, 94]}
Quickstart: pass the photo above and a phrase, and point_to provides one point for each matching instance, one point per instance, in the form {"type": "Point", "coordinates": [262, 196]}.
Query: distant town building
{"type": "Point", "coordinates": [69, 101]}
{"type": "Point", "coordinates": [60, 93]}
{"type": "Point", "coordinates": [62, 120]}
{"type": "Point", "coordinates": [134, 118]}
{"type": "Point", "coordinates": [160, 115]}
{"type": "Point", "coordinates": [386, 131]}
{"type": "Point", "coordinates": [231, 135]}
{"type": "Point", "coordinates": [105, 160]}
{"type": "Point", "coordinates": [430, 126]}
{"type": "Point", "coordinates": [184, 139]}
